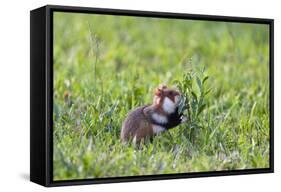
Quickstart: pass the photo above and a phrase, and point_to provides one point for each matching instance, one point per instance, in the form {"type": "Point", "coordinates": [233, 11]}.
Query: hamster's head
{"type": "Point", "coordinates": [167, 98]}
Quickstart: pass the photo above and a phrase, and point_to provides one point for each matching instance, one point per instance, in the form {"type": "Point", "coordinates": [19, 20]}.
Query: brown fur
{"type": "Point", "coordinates": [136, 125]}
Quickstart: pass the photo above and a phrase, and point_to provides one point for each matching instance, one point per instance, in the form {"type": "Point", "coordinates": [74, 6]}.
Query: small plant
{"type": "Point", "coordinates": [193, 101]}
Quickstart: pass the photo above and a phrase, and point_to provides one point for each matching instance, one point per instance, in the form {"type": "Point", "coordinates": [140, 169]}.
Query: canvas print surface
{"type": "Point", "coordinates": [137, 96]}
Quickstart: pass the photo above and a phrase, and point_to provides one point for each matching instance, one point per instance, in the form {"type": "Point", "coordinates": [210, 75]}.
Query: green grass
{"type": "Point", "coordinates": [105, 66]}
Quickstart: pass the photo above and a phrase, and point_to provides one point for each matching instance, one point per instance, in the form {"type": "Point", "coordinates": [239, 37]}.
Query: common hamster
{"type": "Point", "coordinates": [146, 121]}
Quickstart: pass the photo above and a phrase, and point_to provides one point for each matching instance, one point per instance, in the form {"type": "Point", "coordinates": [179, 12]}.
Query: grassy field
{"type": "Point", "coordinates": [105, 66]}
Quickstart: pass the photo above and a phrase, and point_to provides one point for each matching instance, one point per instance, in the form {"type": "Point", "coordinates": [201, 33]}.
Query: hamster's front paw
{"type": "Point", "coordinates": [183, 119]}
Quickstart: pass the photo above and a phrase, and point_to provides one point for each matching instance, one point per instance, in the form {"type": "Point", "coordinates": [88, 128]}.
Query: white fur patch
{"type": "Point", "coordinates": [159, 118]}
{"type": "Point", "coordinates": [168, 105]}
{"type": "Point", "coordinates": [157, 129]}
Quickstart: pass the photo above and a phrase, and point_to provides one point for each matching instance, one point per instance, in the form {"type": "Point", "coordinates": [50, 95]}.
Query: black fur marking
{"type": "Point", "coordinates": [174, 119]}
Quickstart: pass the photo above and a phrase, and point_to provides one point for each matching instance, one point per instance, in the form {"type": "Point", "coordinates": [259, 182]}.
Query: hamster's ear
{"type": "Point", "coordinates": [158, 92]}
{"type": "Point", "coordinates": [162, 86]}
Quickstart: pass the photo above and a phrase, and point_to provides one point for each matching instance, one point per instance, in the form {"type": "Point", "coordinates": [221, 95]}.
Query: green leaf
{"type": "Point", "coordinates": [199, 83]}
{"type": "Point", "coordinates": [194, 96]}
{"type": "Point", "coordinates": [205, 79]}
{"type": "Point", "coordinates": [182, 105]}
{"type": "Point", "coordinates": [208, 91]}
{"type": "Point", "coordinates": [201, 108]}
{"type": "Point", "coordinates": [112, 109]}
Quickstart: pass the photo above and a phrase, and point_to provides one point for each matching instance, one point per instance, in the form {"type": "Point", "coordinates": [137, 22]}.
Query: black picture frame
{"type": "Point", "coordinates": [41, 94]}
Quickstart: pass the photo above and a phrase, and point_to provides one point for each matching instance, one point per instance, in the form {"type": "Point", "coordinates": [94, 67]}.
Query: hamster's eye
{"type": "Point", "coordinates": [170, 93]}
